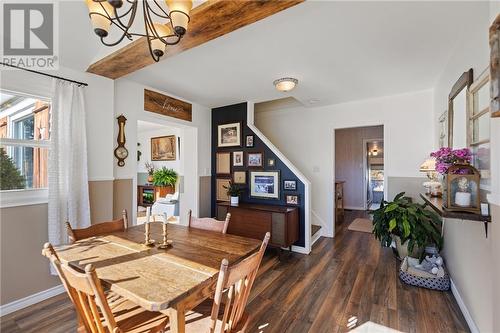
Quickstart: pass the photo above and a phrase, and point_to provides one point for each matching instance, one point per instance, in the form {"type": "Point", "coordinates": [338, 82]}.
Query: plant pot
{"type": "Point", "coordinates": [162, 191]}
{"type": "Point", "coordinates": [403, 249]}
{"type": "Point", "coordinates": [235, 201]}
{"type": "Point", "coordinates": [150, 178]}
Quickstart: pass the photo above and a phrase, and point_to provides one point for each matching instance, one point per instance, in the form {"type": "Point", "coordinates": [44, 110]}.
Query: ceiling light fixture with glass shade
{"type": "Point", "coordinates": [285, 84]}
{"type": "Point", "coordinates": [163, 25]}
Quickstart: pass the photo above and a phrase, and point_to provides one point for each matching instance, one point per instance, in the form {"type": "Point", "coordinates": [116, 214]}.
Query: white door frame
{"type": "Point", "coordinates": [365, 170]}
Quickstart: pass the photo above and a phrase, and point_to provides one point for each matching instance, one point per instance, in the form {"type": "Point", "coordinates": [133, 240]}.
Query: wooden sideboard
{"type": "Point", "coordinates": [145, 195]}
{"type": "Point", "coordinates": [254, 220]}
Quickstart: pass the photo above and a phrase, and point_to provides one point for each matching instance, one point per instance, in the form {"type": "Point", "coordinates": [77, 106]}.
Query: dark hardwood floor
{"type": "Point", "coordinates": [344, 282]}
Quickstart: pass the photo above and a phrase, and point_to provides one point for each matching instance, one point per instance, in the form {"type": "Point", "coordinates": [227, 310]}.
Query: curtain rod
{"type": "Point", "coordinates": [49, 75]}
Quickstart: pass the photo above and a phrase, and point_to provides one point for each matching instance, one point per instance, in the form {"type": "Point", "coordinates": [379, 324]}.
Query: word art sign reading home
{"type": "Point", "coordinates": [167, 106]}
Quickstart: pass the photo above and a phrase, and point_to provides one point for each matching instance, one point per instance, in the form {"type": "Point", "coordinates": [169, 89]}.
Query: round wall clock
{"type": "Point", "coordinates": [121, 152]}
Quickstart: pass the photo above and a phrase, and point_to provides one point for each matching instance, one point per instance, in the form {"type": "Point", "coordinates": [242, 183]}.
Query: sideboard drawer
{"type": "Point", "coordinates": [254, 220]}
{"type": "Point", "coordinates": [248, 223]}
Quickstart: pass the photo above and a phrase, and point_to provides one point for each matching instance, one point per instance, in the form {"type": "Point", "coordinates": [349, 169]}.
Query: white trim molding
{"type": "Point", "coordinates": [307, 184]}
{"type": "Point", "coordinates": [101, 179]}
{"type": "Point", "coordinates": [468, 318]}
{"type": "Point", "coordinates": [30, 300]}
{"type": "Point", "coordinates": [16, 198]}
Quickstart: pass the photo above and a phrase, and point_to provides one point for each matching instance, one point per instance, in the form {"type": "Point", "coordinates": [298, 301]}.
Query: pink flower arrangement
{"type": "Point", "coordinates": [446, 157]}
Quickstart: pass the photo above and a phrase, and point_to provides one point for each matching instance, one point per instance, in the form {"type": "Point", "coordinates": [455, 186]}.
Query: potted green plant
{"type": "Point", "coordinates": [409, 224]}
{"type": "Point", "coordinates": [234, 192]}
{"type": "Point", "coordinates": [164, 180]}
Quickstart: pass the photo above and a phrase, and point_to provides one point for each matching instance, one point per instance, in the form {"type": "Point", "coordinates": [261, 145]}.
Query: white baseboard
{"type": "Point", "coordinates": [300, 249]}
{"type": "Point", "coordinates": [30, 300]}
{"type": "Point", "coordinates": [316, 236]}
{"type": "Point", "coordinates": [468, 318]}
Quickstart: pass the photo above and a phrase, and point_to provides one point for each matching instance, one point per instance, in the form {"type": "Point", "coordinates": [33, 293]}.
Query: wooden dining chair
{"type": "Point", "coordinates": [208, 223]}
{"type": "Point", "coordinates": [92, 307]}
{"type": "Point", "coordinates": [227, 313]}
{"type": "Point", "coordinates": [97, 229]}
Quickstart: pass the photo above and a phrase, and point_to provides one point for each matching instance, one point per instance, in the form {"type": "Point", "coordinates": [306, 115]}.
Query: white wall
{"type": "Point", "coordinates": [306, 137]}
{"type": "Point", "coordinates": [472, 259]}
{"type": "Point", "coordinates": [195, 146]}
{"type": "Point", "coordinates": [144, 138]}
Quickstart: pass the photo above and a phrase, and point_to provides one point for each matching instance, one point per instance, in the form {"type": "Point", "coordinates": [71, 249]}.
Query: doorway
{"type": "Point", "coordinates": [359, 166]}
{"type": "Point", "coordinates": [374, 173]}
{"type": "Point", "coordinates": [158, 150]}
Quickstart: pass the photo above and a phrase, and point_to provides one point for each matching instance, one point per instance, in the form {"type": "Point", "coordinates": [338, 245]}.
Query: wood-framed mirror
{"type": "Point", "coordinates": [457, 111]}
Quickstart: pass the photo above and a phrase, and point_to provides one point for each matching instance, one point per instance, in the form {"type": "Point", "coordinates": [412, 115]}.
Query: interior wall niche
{"type": "Point", "coordinates": [270, 162]}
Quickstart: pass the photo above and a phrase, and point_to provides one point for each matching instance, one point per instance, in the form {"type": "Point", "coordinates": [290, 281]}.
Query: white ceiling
{"type": "Point", "coordinates": [339, 51]}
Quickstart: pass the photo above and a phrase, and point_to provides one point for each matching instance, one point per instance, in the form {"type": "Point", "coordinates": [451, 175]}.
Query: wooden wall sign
{"type": "Point", "coordinates": [167, 106]}
{"type": "Point", "coordinates": [495, 67]}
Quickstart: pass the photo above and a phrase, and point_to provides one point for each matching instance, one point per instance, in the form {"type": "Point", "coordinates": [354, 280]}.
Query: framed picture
{"type": "Point", "coordinates": [265, 184]}
{"type": "Point", "coordinates": [229, 135]}
{"type": "Point", "coordinates": [249, 141]}
{"type": "Point", "coordinates": [238, 158]}
{"type": "Point", "coordinates": [221, 192]}
{"type": "Point", "coordinates": [292, 199]}
{"type": "Point", "coordinates": [223, 163]}
{"type": "Point", "coordinates": [240, 177]}
{"type": "Point", "coordinates": [271, 162]}
{"type": "Point", "coordinates": [290, 185]}
{"type": "Point", "coordinates": [163, 148]}
{"type": "Point", "coordinates": [254, 160]}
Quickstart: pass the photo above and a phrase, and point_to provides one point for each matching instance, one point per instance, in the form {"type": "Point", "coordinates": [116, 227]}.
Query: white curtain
{"type": "Point", "coordinates": [68, 179]}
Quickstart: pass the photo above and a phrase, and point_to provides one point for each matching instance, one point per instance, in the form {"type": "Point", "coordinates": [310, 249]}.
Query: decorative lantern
{"type": "Point", "coordinates": [462, 195]}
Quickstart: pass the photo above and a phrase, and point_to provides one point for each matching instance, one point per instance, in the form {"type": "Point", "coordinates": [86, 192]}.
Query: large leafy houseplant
{"type": "Point", "coordinates": [164, 177]}
{"type": "Point", "coordinates": [415, 226]}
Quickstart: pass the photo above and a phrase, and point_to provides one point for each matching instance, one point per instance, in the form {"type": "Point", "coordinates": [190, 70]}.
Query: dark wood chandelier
{"type": "Point", "coordinates": [122, 13]}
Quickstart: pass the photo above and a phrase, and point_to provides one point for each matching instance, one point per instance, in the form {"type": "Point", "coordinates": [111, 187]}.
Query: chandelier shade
{"type": "Point", "coordinates": [179, 14]}
{"type": "Point", "coordinates": [163, 25]}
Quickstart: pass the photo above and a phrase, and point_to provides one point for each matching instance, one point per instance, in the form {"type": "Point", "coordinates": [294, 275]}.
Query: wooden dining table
{"type": "Point", "coordinates": [172, 281]}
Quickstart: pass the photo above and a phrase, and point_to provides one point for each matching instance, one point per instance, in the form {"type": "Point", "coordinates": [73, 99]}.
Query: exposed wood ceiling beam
{"type": "Point", "coordinates": [210, 20]}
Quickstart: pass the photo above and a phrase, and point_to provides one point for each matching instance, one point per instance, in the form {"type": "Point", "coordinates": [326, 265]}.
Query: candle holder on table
{"type": "Point", "coordinates": [147, 232]}
{"type": "Point", "coordinates": [166, 242]}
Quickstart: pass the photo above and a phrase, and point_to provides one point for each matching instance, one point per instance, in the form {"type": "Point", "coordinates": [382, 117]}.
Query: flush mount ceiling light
{"type": "Point", "coordinates": [170, 26]}
{"type": "Point", "coordinates": [285, 84]}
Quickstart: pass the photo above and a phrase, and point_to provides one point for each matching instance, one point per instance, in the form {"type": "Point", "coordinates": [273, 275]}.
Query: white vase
{"type": "Point", "coordinates": [235, 201]}
{"type": "Point", "coordinates": [462, 199]}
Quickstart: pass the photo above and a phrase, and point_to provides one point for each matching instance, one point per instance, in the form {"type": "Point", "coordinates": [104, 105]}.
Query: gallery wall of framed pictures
{"type": "Point", "coordinates": [242, 158]}
{"type": "Point", "coordinates": [239, 156]}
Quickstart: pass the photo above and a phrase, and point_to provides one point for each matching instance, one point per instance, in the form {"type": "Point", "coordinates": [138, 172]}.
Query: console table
{"type": "Point", "coordinates": [254, 220]}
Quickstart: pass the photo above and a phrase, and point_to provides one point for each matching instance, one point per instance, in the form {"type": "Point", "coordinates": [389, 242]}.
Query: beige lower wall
{"type": "Point", "coordinates": [23, 270]}
{"type": "Point", "coordinates": [101, 201]}
{"type": "Point", "coordinates": [123, 193]}
{"type": "Point", "coordinates": [474, 266]}
{"type": "Point", "coordinates": [24, 230]}
{"type": "Point", "coordinates": [495, 266]}
{"type": "Point", "coordinates": [205, 196]}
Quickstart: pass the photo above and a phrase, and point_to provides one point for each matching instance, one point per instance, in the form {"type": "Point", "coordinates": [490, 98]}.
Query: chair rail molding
{"type": "Point", "coordinates": [307, 184]}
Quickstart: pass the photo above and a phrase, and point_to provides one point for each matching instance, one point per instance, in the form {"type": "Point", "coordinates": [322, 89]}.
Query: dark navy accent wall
{"type": "Point", "coordinates": [238, 113]}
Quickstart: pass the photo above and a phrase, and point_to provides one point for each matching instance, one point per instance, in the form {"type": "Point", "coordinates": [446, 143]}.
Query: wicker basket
{"type": "Point", "coordinates": [437, 283]}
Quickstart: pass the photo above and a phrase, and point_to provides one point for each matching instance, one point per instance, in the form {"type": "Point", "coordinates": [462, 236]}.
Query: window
{"type": "Point", "coordinates": [479, 127]}
{"type": "Point", "coordinates": [24, 142]}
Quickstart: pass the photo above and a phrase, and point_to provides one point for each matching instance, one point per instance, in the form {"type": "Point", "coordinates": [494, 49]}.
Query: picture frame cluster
{"type": "Point", "coordinates": [250, 167]}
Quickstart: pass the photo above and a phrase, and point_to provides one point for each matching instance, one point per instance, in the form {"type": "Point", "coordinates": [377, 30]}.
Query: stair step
{"type": "Point", "coordinates": [315, 229]}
